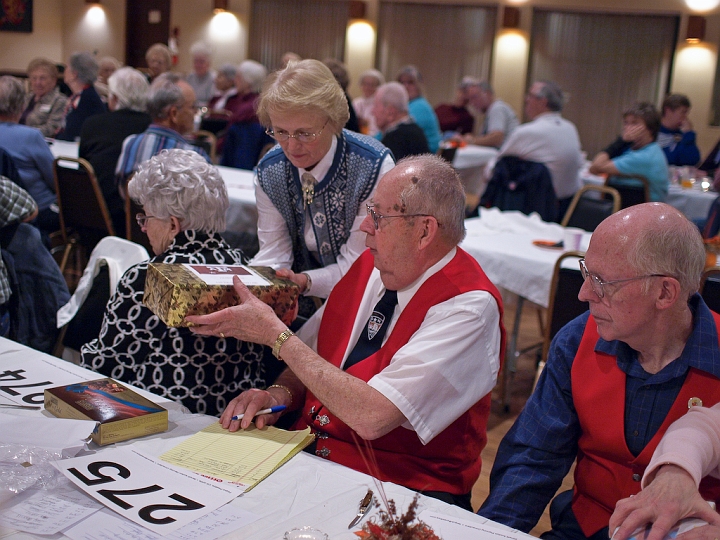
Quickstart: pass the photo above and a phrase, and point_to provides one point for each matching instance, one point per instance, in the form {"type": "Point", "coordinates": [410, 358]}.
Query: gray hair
{"type": "Point", "coordinates": [164, 93]}
{"type": "Point", "coordinates": [161, 49]}
{"type": "Point", "coordinates": [85, 66]}
{"type": "Point", "coordinates": [393, 94]}
{"type": "Point", "coordinates": [553, 94]}
{"type": "Point", "coordinates": [228, 70]}
{"type": "Point", "coordinates": [468, 81]}
{"type": "Point", "coordinates": [673, 247]}
{"type": "Point", "coordinates": [373, 74]}
{"type": "Point", "coordinates": [130, 87]}
{"type": "Point", "coordinates": [182, 184]}
{"type": "Point", "coordinates": [12, 97]}
{"type": "Point", "coordinates": [200, 48]}
{"type": "Point", "coordinates": [110, 61]}
{"type": "Point", "coordinates": [254, 74]}
{"type": "Point", "coordinates": [436, 190]}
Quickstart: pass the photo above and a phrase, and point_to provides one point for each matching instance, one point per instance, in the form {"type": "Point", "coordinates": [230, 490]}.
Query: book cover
{"type": "Point", "coordinates": [120, 413]}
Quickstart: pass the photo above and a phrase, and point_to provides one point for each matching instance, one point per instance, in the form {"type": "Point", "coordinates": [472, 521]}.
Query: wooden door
{"type": "Point", "coordinates": [146, 22]}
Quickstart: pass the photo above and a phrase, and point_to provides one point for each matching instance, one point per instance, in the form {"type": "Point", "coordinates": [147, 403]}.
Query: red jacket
{"type": "Point", "coordinates": [451, 461]}
{"type": "Point", "coordinates": [606, 470]}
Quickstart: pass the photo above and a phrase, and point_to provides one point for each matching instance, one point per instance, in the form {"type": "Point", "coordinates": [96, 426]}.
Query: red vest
{"type": "Point", "coordinates": [606, 471]}
{"type": "Point", "coordinates": [451, 461]}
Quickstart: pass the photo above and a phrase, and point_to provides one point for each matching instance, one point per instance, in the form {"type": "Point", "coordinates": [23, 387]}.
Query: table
{"type": "Point", "coordinates": [307, 490]}
{"type": "Point", "coordinates": [470, 162]}
{"type": "Point", "coordinates": [242, 215]}
{"type": "Point", "coordinates": [693, 202]}
{"type": "Point", "coordinates": [502, 243]}
{"type": "Point", "coordinates": [64, 148]}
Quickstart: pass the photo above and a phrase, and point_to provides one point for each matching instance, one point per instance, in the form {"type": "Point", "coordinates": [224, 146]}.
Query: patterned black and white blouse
{"type": "Point", "coordinates": [202, 372]}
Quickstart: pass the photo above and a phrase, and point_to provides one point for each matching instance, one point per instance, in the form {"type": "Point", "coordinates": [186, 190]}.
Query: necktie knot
{"type": "Point", "coordinates": [371, 338]}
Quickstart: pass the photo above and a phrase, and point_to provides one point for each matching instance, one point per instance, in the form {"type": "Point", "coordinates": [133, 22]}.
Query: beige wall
{"type": "Point", "coordinates": [61, 27]}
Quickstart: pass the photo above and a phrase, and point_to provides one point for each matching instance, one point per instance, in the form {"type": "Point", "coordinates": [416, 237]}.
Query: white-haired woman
{"type": "Point", "coordinates": [101, 146]}
{"type": "Point", "coordinates": [202, 77]}
{"type": "Point", "coordinates": [184, 200]}
{"type": "Point", "coordinates": [370, 81]}
{"type": "Point", "coordinates": [249, 79]}
{"type": "Point", "coordinates": [80, 75]}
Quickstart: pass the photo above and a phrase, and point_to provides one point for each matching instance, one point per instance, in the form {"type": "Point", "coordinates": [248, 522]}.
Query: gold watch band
{"type": "Point", "coordinates": [282, 338]}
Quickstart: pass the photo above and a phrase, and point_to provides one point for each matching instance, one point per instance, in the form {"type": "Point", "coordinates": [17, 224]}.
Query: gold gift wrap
{"type": "Point", "coordinates": [173, 292]}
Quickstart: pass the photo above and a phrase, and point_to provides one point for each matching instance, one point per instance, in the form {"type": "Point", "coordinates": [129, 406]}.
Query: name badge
{"type": "Point", "coordinates": [44, 108]}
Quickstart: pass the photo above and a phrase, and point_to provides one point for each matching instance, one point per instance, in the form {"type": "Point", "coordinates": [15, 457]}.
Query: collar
{"type": "Point", "coordinates": [701, 349]}
{"type": "Point", "coordinates": [405, 295]}
{"type": "Point", "coordinates": [323, 166]}
{"type": "Point", "coordinates": [396, 124]}
{"type": "Point", "coordinates": [165, 131]}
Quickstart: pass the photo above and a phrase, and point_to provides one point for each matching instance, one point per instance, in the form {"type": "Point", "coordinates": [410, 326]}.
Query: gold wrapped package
{"type": "Point", "coordinates": [174, 291]}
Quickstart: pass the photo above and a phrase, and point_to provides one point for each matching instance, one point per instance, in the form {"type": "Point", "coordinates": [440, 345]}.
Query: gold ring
{"type": "Point", "coordinates": [222, 335]}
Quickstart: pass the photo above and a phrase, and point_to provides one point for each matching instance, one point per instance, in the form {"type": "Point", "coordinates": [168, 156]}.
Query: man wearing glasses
{"type": "Point", "coordinates": [397, 367]}
{"type": "Point", "coordinates": [615, 378]}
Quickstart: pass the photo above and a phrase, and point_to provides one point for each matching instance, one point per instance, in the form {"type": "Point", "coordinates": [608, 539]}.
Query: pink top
{"type": "Point", "coordinates": [693, 443]}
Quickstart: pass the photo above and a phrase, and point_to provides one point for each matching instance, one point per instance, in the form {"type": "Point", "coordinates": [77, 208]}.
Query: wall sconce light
{"type": "Point", "coordinates": [220, 6]}
{"type": "Point", "coordinates": [695, 29]}
{"type": "Point", "coordinates": [511, 17]}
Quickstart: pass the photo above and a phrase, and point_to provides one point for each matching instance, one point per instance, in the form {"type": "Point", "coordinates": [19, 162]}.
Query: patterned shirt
{"type": "Point", "coordinates": [134, 346]}
{"type": "Point", "coordinates": [143, 146]}
{"type": "Point", "coordinates": [538, 451]}
{"type": "Point", "coordinates": [15, 205]}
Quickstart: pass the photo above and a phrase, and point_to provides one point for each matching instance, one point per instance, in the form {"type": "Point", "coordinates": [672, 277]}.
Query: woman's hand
{"type": "Point", "coordinates": [670, 497]}
{"type": "Point", "coordinates": [301, 280]}
{"type": "Point", "coordinates": [252, 320]}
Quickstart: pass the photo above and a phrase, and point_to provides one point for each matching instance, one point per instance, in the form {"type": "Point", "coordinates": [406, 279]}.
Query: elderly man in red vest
{"type": "Point", "coordinates": [403, 356]}
{"type": "Point", "coordinates": [615, 379]}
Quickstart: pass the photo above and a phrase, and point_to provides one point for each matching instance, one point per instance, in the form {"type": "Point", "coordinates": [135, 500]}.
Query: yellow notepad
{"type": "Point", "coordinates": [243, 457]}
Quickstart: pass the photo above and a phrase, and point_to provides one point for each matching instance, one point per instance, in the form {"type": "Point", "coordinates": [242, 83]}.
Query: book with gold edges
{"type": "Point", "coordinates": [120, 412]}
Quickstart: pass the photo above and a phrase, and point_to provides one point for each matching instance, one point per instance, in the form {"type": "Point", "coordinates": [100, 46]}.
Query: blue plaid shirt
{"type": "Point", "coordinates": [540, 448]}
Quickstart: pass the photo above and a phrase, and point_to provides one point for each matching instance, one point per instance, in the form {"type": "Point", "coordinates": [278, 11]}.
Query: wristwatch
{"type": "Point", "coordinates": [282, 338]}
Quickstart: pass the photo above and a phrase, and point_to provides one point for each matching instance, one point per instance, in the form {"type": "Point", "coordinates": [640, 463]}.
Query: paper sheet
{"type": "Point", "coordinates": [144, 489]}
{"type": "Point", "coordinates": [460, 529]}
{"type": "Point", "coordinates": [52, 433]}
{"type": "Point", "coordinates": [105, 525]}
{"type": "Point", "coordinates": [243, 457]}
{"type": "Point", "coordinates": [46, 513]}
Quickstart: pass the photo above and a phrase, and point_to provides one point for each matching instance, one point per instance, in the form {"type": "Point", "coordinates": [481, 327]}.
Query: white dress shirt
{"type": "Point", "coordinates": [276, 245]}
{"type": "Point", "coordinates": [449, 364]}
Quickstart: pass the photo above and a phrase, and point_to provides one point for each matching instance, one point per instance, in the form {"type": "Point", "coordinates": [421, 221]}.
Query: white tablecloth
{"type": "Point", "coordinates": [470, 162]}
{"type": "Point", "coordinates": [307, 490]}
{"type": "Point", "coordinates": [64, 148]}
{"type": "Point", "coordinates": [242, 215]}
{"type": "Point", "coordinates": [502, 243]}
{"type": "Point", "coordinates": [693, 202]}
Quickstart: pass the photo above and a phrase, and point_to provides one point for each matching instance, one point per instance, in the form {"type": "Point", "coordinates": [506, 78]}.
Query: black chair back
{"type": "Point", "coordinates": [710, 288]}
{"type": "Point", "coordinates": [564, 305]}
{"type": "Point", "coordinates": [587, 211]}
{"type": "Point", "coordinates": [244, 145]}
{"type": "Point", "coordinates": [636, 193]}
{"type": "Point", "coordinates": [84, 217]}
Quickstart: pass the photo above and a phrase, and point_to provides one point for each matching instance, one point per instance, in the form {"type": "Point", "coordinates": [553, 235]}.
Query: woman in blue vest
{"type": "Point", "coordinates": [312, 187]}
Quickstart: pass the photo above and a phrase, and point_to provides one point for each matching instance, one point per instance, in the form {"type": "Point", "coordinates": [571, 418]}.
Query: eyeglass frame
{"type": "Point", "coordinates": [597, 284]}
{"type": "Point", "coordinates": [142, 219]}
{"type": "Point", "coordinates": [377, 217]}
{"type": "Point", "coordinates": [297, 136]}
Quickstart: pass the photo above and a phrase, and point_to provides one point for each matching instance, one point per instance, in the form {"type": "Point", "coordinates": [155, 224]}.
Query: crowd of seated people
{"type": "Point", "coordinates": [393, 315]}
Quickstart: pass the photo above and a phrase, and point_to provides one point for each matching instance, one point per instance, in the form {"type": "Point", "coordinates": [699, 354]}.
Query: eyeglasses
{"type": "Point", "coordinates": [377, 217]}
{"type": "Point", "coordinates": [597, 284]}
{"type": "Point", "coordinates": [281, 135]}
{"type": "Point", "coordinates": [142, 219]}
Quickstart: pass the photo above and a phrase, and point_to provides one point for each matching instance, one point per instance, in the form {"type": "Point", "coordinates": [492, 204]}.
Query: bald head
{"type": "Point", "coordinates": [654, 238]}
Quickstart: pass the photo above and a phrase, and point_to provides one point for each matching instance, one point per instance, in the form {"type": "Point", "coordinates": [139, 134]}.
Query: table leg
{"type": "Point", "coordinates": [510, 356]}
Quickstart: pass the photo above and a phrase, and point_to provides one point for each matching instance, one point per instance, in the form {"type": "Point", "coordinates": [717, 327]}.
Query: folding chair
{"type": "Point", "coordinates": [205, 140]}
{"type": "Point", "coordinates": [630, 195]}
{"type": "Point", "coordinates": [710, 288]}
{"type": "Point", "coordinates": [216, 122]}
{"type": "Point", "coordinates": [587, 212]}
{"type": "Point", "coordinates": [84, 217]}
{"type": "Point", "coordinates": [564, 305]}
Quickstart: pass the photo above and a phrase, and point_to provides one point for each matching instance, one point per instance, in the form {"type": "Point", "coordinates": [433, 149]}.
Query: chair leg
{"type": "Point", "coordinates": [66, 256]}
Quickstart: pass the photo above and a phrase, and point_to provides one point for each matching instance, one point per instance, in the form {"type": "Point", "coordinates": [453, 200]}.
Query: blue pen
{"type": "Point", "coordinates": [271, 410]}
